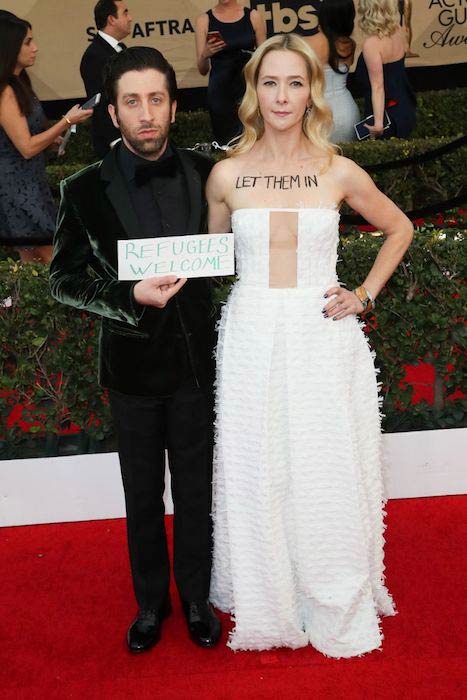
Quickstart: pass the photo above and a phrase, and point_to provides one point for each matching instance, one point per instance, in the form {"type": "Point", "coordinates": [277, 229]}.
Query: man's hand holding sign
{"type": "Point", "coordinates": [151, 260]}
{"type": "Point", "coordinates": [157, 291]}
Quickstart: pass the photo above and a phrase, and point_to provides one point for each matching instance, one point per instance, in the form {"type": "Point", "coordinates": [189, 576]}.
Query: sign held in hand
{"type": "Point", "coordinates": [198, 255]}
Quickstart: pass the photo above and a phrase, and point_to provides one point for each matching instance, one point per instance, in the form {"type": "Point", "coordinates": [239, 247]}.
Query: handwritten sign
{"type": "Point", "coordinates": [199, 255]}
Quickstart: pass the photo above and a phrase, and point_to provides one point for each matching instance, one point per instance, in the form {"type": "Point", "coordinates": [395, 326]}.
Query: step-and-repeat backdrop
{"type": "Point", "coordinates": [438, 32]}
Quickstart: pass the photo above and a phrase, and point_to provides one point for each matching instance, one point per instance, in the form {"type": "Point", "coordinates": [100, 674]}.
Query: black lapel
{"type": "Point", "coordinates": [117, 192]}
{"type": "Point", "coordinates": [104, 45]}
{"type": "Point", "coordinates": [194, 187]}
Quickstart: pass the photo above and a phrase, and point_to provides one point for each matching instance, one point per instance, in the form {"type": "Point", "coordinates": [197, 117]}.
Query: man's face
{"type": "Point", "coordinates": [143, 112]}
{"type": "Point", "coordinates": [121, 24]}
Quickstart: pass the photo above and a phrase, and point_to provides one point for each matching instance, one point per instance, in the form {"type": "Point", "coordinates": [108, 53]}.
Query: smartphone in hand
{"type": "Point", "coordinates": [361, 130]}
{"type": "Point", "coordinates": [92, 102]}
{"type": "Point", "coordinates": [215, 36]}
{"type": "Point", "coordinates": [89, 104]}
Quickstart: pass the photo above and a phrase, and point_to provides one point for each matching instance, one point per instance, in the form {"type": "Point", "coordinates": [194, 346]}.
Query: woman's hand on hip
{"type": "Point", "coordinates": [343, 303]}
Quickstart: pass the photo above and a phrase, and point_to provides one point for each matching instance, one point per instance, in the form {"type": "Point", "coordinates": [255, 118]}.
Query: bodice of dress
{"type": "Point", "coordinates": [280, 248]}
{"type": "Point", "coordinates": [335, 83]}
{"type": "Point", "coordinates": [396, 84]}
{"type": "Point", "coordinates": [226, 84]}
{"type": "Point", "coordinates": [239, 37]}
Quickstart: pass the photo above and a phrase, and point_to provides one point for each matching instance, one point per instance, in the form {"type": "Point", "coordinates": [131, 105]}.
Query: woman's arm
{"type": "Point", "coordinates": [16, 126]}
{"type": "Point", "coordinates": [219, 212]}
{"type": "Point", "coordinates": [205, 48]}
{"type": "Point", "coordinates": [361, 193]}
{"type": "Point", "coordinates": [374, 63]}
{"type": "Point", "coordinates": [259, 27]}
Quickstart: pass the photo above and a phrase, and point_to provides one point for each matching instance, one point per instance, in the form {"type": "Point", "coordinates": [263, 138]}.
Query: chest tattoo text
{"type": "Point", "coordinates": [276, 182]}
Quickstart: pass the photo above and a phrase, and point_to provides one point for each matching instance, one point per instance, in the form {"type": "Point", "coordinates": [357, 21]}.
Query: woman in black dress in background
{"type": "Point", "coordinates": [223, 54]}
{"type": "Point", "coordinates": [27, 210]}
{"type": "Point", "coordinates": [381, 68]}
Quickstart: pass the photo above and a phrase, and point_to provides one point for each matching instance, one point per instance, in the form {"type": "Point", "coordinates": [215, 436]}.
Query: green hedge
{"type": "Point", "coordinates": [441, 117]}
{"type": "Point", "coordinates": [413, 186]}
{"type": "Point", "coordinates": [410, 187]}
{"type": "Point", "coordinates": [49, 351]}
{"type": "Point", "coordinates": [47, 362]}
{"type": "Point", "coordinates": [419, 319]}
{"type": "Point", "coordinates": [439, 113]}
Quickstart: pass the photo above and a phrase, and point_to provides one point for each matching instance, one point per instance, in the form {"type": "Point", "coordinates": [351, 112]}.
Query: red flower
{"type": "Point", "coordinates": [367, 228]}
{"type": "Point", "coordinates": [421, 377]}
{"type": "Point", "coordinates": [457, 394]}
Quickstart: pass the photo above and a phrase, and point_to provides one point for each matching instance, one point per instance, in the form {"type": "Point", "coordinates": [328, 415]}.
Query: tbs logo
{"type": "Point", "coordinates": [293, 16]}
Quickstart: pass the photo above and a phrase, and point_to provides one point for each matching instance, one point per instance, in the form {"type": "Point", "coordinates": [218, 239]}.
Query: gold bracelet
{"type": "Point", "coordinates": [365, 297]}
{"type": "Point", "coordinates": [67, 120]}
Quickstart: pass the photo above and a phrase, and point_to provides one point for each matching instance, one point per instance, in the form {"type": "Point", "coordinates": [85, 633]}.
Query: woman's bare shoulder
{"type": "Point", "coordinates": [343, 168]}
{"type": "Point", "coordinates": [224, 167]}
{"type": "Point", "coordinates": [371, 43]}
{"type": "Point", "coordinates": [232, 165]}
{"type": "Point", "coordinates": [8, 101]}
{"type": "Point", "coordinates": [202, 21]}
{"type": "Point", "coordinates": [7, 95]}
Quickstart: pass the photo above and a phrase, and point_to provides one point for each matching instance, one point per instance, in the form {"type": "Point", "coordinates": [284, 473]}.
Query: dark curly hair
{"type": "Point", "coordinates": [137, 58]}
{"type": "Point", "coordinates": [336, 20]}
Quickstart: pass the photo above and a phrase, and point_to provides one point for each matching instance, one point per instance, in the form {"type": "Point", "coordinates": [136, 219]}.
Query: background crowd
{"type": "Point", "coordinates": [225, 37]}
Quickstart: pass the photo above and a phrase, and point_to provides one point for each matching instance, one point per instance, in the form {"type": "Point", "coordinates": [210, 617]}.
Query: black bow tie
{"type": "Point", "coordinates": [121, 45]}
{"type": "Point", "coordinates": [167, 167]}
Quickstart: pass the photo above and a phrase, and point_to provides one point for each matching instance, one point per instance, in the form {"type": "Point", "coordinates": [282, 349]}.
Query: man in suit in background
{"type": "Point", "coordinates": [157, 339]}
{"type": "Point", "coordinates": [113, 23]}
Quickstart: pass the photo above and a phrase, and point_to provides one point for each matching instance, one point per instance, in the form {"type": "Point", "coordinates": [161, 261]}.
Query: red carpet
{"type": "Point", "coordinates": [66, 601]}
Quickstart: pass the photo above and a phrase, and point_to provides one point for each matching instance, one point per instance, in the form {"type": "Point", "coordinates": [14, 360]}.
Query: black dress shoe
{"type": "Point", "coordinates": [203, 626]}
{"type": "Point", "coordinates": [145, 630]}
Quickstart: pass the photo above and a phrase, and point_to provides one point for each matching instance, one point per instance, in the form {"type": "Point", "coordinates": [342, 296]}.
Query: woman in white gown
{"type": "Point", "coordinates": [298, 519]}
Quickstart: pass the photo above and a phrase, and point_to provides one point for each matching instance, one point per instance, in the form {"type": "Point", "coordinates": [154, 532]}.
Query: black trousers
{"type": "Point", "coordinates": [145, 427]}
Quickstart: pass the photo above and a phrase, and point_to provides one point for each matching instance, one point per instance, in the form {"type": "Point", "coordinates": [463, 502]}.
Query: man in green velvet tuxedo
{"type": "Point", "coordinates": [157, 337]}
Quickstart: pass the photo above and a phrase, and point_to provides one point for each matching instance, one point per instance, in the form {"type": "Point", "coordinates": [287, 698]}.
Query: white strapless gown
{"type": "Point", "coordinates": [298, 497]}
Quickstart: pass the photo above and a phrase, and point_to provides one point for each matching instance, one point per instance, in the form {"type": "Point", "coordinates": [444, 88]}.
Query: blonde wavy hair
{"type": "Point", "coordinates": [378, 17]}
{"type": "Point", "coordinates": [317, 122]}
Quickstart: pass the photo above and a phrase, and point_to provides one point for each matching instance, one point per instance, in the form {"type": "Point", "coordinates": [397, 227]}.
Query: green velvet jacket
{"type": "Point", "coordinates": [143, 350]}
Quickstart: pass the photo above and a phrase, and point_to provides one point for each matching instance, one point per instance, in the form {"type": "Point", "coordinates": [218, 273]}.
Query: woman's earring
{"type": "Point", "coordinates": [308, 111]}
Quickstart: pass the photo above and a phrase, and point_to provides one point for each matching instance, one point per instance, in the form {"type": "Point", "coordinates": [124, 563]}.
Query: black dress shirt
{"type": "Point", "coordinates": [158, 202]}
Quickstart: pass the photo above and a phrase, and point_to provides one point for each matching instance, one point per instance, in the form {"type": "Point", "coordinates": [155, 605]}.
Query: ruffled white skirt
{"type": "Point", "coordinates": [298, 496]}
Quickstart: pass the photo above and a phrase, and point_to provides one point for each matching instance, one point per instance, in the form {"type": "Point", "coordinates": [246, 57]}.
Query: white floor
{"type": "Point", "coordinates": [88, 487]}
